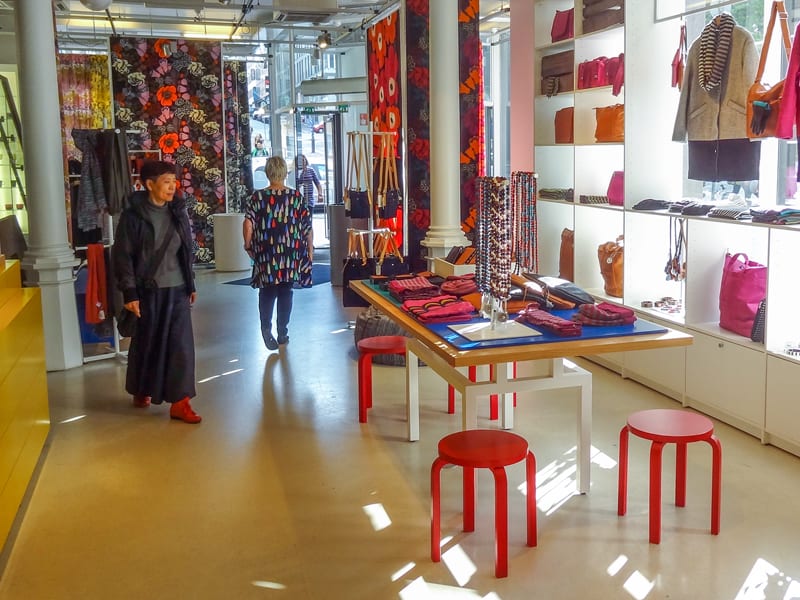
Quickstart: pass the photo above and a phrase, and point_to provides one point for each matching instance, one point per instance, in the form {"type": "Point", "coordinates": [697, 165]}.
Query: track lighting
{"type": "Point", "coordinates": [324, 40]}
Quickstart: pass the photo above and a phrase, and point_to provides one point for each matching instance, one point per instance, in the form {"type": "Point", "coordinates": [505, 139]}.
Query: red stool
{"type": "Point", "coordinates": [667, 426]}
{"type": "Point", "coordinates": [492, 449]}
{"type": "Point", "coordinates": [367, 348]}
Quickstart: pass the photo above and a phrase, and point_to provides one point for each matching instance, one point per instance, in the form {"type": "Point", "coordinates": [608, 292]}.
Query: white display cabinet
{"type": "Point", "coordinates": [747, 384]}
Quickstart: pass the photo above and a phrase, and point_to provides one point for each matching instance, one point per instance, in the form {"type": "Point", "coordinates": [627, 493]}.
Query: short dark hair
{"type": "Point", "coordinates": [153, 169]}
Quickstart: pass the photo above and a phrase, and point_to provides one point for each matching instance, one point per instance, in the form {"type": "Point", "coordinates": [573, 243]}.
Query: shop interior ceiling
{"type": "Point", "coordinates": [236, 21]}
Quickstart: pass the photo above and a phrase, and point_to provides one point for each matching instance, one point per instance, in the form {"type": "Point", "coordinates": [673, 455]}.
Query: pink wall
{"type": "Point", "coordinates": [522, 85]}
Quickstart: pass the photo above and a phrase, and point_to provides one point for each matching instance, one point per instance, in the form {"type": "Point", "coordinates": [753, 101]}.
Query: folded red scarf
{"type": "Point", "coordinates": [540, 319]}
{"type": "Point", "coordinates": [440, 309]}
{"type": "Point", "coordinates": [604, 314]}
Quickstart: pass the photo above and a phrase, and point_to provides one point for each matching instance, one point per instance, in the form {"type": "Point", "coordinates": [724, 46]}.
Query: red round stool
{"type": "Point", "coordinates": [668, 426]}
{"type": "Point", "coordinates": [492, 449]}
{"type": "Point", "coordinates": [367, 348]}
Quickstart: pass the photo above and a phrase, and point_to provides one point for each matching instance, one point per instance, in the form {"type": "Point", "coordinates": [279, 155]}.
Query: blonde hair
{"type": "Point", "coordinates": [276, 168]}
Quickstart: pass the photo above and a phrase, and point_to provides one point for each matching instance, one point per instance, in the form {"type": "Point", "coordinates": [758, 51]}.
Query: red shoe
{"type": "Point", "coordinates": [182, 410]}
{"type": "Point", "coordinates": [141, 401]}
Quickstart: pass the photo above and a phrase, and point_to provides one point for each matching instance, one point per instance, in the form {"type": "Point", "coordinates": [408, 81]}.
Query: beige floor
{"type": "Point", "coordinates": [280, 493]}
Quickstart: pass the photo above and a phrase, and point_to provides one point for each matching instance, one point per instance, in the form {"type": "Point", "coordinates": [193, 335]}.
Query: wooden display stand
{"type": "Point", "coordinates": [24, 412]}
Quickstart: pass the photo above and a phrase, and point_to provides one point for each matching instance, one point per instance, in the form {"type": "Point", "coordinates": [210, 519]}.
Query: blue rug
{"type": "Point", "coordinates": [320, 273]}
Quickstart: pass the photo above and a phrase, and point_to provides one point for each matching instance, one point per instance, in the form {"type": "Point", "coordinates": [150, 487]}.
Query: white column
{"type": "Point", "coordinates": [522, 85]}
{"type": "Point", "coordinates": [49, 261]}
{"type": "Point", "coordinates": [445, 229]}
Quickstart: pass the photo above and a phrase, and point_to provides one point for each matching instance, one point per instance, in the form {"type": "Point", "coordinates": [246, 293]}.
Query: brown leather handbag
{"type": "Point", "coordinates": [566, 257]}
{"type": "Point", "coordinates": [764, 101]}
{"type": "Point", "coordinates": [610, 123]}
{"type": "Point", "coordinates": [612, 258]}
{"type": "Point", "coordinates": [565, 125]}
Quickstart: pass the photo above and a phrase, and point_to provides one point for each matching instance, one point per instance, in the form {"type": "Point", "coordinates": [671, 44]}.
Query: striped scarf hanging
{"type": "Point", "coordinates": [715, 45]}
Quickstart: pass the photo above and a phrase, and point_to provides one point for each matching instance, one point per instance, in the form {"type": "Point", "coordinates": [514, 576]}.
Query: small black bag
{"type": "Point", "coordinates": [126, 323]}
{"type": "Point", "coordinates": [359, 205]}
{"type": "Point", "coordinates": [757, 333]}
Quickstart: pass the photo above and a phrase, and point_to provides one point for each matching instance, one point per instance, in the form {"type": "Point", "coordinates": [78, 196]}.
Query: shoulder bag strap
{"type": "Point", "coordinates": [367, 170]}
{"type": "Point", "coordinates": [778, 10]}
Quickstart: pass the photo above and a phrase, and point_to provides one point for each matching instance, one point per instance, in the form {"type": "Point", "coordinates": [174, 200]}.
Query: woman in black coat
{"type": "Point", "coordinates": [152, 261]}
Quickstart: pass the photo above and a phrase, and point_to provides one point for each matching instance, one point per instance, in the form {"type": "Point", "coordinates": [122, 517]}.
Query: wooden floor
{"type": "Point", "coordinates": [280, 493]}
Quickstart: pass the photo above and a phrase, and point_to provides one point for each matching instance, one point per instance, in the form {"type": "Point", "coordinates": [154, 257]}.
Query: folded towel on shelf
{"type": "Point", "coordinates": [557, 193]}
{"type": "Point", "coordinates": [540, 319]}
{"type": "Point", "coordinates": [440, 309]}
{"type": "Point", "coordinates": [604, 314]}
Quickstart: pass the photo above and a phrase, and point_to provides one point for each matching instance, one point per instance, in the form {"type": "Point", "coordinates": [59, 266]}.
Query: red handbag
{"type": "Point", "coordinates": [563, 27]}
{"type": "Point", "coordinates": [592, 73]}
{"type": "Point", "coordinates": [679, 60]}
{"type": "Point", "coordinates": [616, 189]}
{"type": "Point", "coordinates": [615, 73]}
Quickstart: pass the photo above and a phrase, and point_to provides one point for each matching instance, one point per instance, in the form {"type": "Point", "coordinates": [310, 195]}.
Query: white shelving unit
{"type": "Point", "coordinates": [746, 384]}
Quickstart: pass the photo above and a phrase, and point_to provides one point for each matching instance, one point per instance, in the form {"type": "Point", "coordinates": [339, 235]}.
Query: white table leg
{"type": "Point", "coordinates": [504, 373]}
{"type": "Point", "coordinates": [412, 394]}
{"type": "Point", "coordinates": [583, 478]}
{"type": "Point", "coordinates": [469, 408]}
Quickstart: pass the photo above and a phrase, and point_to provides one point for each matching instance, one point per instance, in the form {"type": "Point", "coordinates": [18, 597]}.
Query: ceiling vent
{"type": "Point", "coordinates": [313, 11]}
{"type": "Point", "coordinates": [60, 5]}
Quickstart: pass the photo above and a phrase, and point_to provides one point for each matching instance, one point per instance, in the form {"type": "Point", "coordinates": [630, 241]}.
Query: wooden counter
{"type": "Point", "coordinates": [24, 411]}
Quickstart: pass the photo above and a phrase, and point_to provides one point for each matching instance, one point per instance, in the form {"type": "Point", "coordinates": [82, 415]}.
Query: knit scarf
{"type": "Point", "coordinates": [715, 45]}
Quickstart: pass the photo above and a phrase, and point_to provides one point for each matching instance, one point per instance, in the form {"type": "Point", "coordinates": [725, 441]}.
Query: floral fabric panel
{"type": "Point", "coordinates": [281, 223]}
{"type": "Point", "coordinates": [237, 135]}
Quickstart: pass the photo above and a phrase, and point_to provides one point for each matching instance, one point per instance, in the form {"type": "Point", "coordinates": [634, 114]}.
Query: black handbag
{"type": "Point", "coordinates": [356, 266]}
{"type": "Point", "coordinates": [561, 288]}
{"type": "Point", "coordinates": [358, 198]}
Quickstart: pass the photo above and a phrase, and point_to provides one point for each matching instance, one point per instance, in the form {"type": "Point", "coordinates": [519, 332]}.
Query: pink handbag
{"type": "Point", "coordinates": [743, 287]}
{"type": "Point", "coordinates": [563, 27]}
{"type": "Point", "coordinates": [616, 189]}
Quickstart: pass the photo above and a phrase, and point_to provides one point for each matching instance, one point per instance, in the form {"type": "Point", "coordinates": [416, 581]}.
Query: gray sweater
{"type": "Point", "coordinates": [722, 113]}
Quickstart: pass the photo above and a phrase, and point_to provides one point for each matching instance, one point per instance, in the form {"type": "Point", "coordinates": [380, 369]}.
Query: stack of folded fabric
{"type": "Point", "coordinates": [439, 309]}
{"type": "Point", "coordinates": [414, 288]}
{"type": "Point", "coordinates": [459, 285]}
{"type": "Point", "coordinates": [737, 214]}
{"type": "Point", "coordinates": [590, 199]}
{"type": "Point", "coordinates": [781, 216]}
{"type": "Point", "coordinates": [604, 314]}
{"type": "Point", "coordinates": [540, 319]}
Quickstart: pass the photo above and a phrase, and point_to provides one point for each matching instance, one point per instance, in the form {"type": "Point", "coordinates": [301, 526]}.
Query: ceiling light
{"type": "Point", "coordinates": [96, 4]}
{"type": "Point", "coordinates": [324, 40]}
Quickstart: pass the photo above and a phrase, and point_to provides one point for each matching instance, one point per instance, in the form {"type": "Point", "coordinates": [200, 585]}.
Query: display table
{"type": "Point", "coordinates": [229, 254]}
{"type": "Point", "coordinates": [447, 359]}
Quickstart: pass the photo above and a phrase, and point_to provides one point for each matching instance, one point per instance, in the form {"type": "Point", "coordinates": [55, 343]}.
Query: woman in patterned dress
{"type": "Point", "coordinates": [278, 237]}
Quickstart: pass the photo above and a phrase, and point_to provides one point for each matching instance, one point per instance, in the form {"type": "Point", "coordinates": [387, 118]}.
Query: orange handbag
{"type": "Point", "coordinates": [612, 257]}
{"type": "Point", "coordinates": [763, 101]}
{"type": "Point", "coordinates": [610, 123]}
{"type": "Point", "coordinates": [566, 255]}
{"type": "Point", "coordinates": [565, 125]}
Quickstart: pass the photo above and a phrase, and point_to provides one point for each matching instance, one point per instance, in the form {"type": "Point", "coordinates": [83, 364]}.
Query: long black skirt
{"type": "Point", "coordinates": [161, 355]}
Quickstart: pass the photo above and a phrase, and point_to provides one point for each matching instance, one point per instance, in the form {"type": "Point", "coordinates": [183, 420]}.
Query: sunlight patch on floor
{"type": "Point", "coordinates": [270, 585]}
{"type": "Point", "coordinates": [460, 565]}
{"type": "Point", "coordinates": [73, 419]}
{"type": "Point", "coordinates": [638, 586]}
{"type": "Point", "coordinates": [765, 580]}
{"type": "Point", "coordinates": [226, 373]}
{"type": "Point", "coordinates": [617, 565]}
{"type": "Point", "coordinates": [403, 570]}
{"type": "Point", "coordinates": [377, 516]}
{"type": "Point", "coordinates": [419, 589]}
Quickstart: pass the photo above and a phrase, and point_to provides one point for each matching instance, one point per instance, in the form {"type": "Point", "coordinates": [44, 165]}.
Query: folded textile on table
{"type": "Point", "coordinates": [459, 285]}
{"type": "Point", "coordinates": [439, 309]}
{"type": "Point", "coordinates": [412, 288]}
{"type": "Point", "coordinates": [737, 214]}
{"type": "Point", "coordinates": [533, 315]}
{"type": "Point", "coordinates": [593, 199]}
{"type": "Point", "coordinates": [604, 314]}
{"type": "Point", "coordinates": [651, 204]}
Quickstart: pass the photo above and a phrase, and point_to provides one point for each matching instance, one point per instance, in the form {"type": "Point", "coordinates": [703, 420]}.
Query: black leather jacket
{"type": "Point", "coordinates": [134, 246]}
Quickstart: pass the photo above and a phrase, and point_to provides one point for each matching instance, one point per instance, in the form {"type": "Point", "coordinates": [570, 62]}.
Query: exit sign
{"type": "Point", "coordinates": [343, 108]}
{"type": "Point", "coordinates": [307, 109]}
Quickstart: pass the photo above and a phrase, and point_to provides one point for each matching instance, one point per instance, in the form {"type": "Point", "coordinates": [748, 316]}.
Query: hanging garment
{"type": "Point", "coordinates": [712, 102]}
{"type": "Point", "coordinates": [96, 295]}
